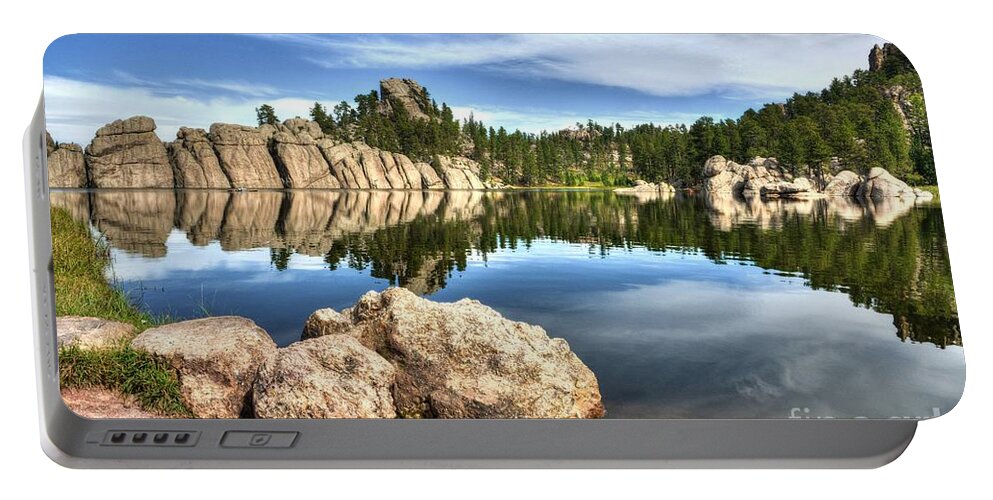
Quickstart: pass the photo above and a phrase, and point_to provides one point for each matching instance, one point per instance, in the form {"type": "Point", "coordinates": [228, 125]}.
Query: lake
{"type": "Point", "coordinates": [682, 305]}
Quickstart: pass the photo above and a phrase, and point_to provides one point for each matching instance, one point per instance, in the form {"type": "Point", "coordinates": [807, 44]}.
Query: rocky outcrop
{"type": "Point", "coordinates": [465, 360]}
{"type": "Point", "coordinates": [888, 56]}
{"type": "Point", "coordinates": [714, 165]}
{"type": "Point", "coordinates": [66, 165]}
{"type": "Point", "coordinates": [764, 177]}
{"type": "Point", "coordinates": [128, 154]}
{"type": "Point", "coordinates": [411, 175]}
{"type": "Point", "coordinates": [91, 333]}
{"type": "Point", "coordinates": [294, 154]}
{"type": "Point", "coordinates": [845, 183]}
{"type": "Point", "coordinates": [761, 171]}
{"type": "Point", "coordinates": [300, 161]}
{"type": "Point", "coordinates": [881, 184]}
{"type": "Point", "coordinates": [722, 184]}
{"type": "Point", "coordinates": [406, 95]}
{"type": "Point", "coordinates": [244, 157]}
{"type": "Point", "coordinates": [429, 178]}
{"type": "Point", "coordinates": [333, 376]}
{"type": "Point", "coordinates": [800, 187]}
{"type": "Point", "coordinates": [643, 187]}
{"type": "Point", "coordinates": [216, 360]}
{"type": "Point", "coordinates": [358, 166]}
{"type": "Point", "coordinates": [194, 163]}
{"type": "Point", "coordinates": [459, 172]}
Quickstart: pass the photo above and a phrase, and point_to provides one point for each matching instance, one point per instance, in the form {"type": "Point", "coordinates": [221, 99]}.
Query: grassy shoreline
{"type": "Point", "coordinates": [81, 289]}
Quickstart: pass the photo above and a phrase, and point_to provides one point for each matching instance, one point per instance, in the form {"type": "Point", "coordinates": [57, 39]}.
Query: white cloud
{"type": "Point", "coordinates": [537, 120]}
{"type": "Point", "coordinates": [736, 66]}
{"type": "Point", "coordinates": [75, 109]}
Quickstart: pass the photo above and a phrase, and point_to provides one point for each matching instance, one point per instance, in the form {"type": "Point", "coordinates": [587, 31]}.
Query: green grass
{"type": "Point", "coordinates": [81, 289]}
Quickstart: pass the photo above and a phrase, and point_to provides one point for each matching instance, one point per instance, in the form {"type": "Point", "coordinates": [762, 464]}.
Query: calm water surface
{"type": "Point", "coordinates": [683, 306]}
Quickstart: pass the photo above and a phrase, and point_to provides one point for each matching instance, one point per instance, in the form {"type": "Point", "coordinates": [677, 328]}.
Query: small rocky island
{"type": "Point", "coordinates": [391, 355]}
{"type": "Point", "coordinates": [766, 178]}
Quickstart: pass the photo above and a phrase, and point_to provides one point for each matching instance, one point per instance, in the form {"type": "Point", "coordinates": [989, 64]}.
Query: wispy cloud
{"type": "Point", "coordinates": [734, 66]}
{"type": "Point", "coordinates": [191, 86]}
{"type": "Point", "coordinates": [537, 120]}
{"type": "Point", "coordinates": [75, 108]}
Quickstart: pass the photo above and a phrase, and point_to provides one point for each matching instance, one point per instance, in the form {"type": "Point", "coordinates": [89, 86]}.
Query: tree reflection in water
{"type": "Point", "coordinates": [890, 256]}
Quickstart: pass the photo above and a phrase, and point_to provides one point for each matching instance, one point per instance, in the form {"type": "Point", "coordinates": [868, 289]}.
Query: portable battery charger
{"type": "Point", "coordinates": [486, 251]}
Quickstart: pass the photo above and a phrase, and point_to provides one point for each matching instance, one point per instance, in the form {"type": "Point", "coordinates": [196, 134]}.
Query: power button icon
{"type": "Point", "coordinates": [260, 439]}
{"type": "Point", "coordinates": [249, 439]}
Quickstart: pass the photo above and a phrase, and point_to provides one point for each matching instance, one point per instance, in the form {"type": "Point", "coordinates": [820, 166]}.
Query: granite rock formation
{"type": "Point", "coordinates": [127, 154]}
{"type": "Point", "coordinates": [66, 165]}
{"type": "Point", "coordinates": [194, 163]}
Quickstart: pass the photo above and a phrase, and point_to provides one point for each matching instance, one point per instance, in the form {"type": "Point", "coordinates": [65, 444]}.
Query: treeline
{"type": "Point", "coordinates": [865, 120]}
{"type": "Point", "coordinates": [394, 131]}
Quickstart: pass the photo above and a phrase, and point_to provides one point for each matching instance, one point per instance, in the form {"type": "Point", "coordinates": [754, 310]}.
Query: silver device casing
{"type": "Point", "coordinates": [74, 441]}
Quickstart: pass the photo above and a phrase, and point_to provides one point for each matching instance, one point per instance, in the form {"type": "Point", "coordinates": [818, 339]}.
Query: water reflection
{"type": "Point", "coordinates": [887, 256]}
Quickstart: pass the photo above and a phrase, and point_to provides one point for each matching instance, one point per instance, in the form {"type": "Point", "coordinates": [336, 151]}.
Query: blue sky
{"type": "Point", "coordinates": [530, 82]}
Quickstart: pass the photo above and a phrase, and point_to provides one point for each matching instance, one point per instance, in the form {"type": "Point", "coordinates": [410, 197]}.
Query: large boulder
{"type": "Point", "coordinates": [724, 183]}
{"type": "Point", "coordinates": [66, 165]}
{"type": "Point", "coordinates": [845, 183]}
{"type": "Point", "coordinates": [406, 95]}
{"type": "Point", "coordinates": [302, 127]}
{"type": "Point", "coordinates": [643, 187]}
{"type": "Point", "coordinates": [800, 187]}
{"type": "Point", "coordinates": [216, 360]}
{"type": "Point", "coordinates": [333, 376]}
{"type": "Point", "coordinates": [91, 333]}
{"type": "Point", "coordinates": [344, 162]}
{"type": "Point", "coordinates": [128, 154]}
{"type": "Point", "coordinates": [429, 177]}
{"type": "Point", "coordinates": [411, 175]}
{"type": "Point", "coordinates": [244, 156]}
{"type": "Point", "coordinates": [194, 163]}
{"type": "Point", "coordinates": [465, 360]}
{"type": "Point", "coordinates": [880, 184]}
{"type": "Point", "coordinates": [299, 158]}
{"type": "Point", "coordinates": [375, 171]}
{"type": "Point", "coordinates": [714, 165]}
{"type": "Point", "coordinates": [394, 175]}
{"type": "Point", "coordinates": [459, 172]}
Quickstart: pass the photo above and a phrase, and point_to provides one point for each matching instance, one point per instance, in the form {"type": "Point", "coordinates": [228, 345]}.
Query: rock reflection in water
{"type": "Point", "coordinates": [886, 255]}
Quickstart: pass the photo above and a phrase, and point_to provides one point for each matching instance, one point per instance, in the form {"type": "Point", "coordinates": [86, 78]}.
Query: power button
{"type": "Point", "coordinates": [249, 439]}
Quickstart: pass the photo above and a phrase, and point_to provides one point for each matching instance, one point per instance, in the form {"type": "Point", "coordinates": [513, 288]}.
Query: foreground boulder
{"type": "Point", "coordinates": [128, 154]}
{"type": "Point", "coordinates": [333, 376]}
{"type": "Point", "coordinates": [91, 333]}
{"type": "Point", "coordinates": [194, 163]}
{"type": "Point", "coordinates": [66, 165]}
{"type": "Point", "coordinates": [244, 157]}
{"type": "Point", "coordinates": [98, 402]}
{"type": "Point", "coordinates": [216, 360]}
{"type": "Point", "coordinates": [465, 360]}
